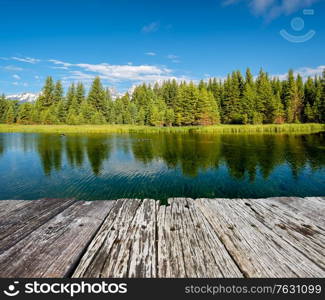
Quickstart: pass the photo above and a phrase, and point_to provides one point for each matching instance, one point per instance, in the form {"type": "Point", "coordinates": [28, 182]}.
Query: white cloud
{"type": "Point", "coordinates": [59, 62]}
{"type": "Point", "coordinates": [116, 73]}
{"type": "Point", "coordinates": [29, 60]}
{"type": "Point", "coordinates": [150, 53]}
{"type": "Point", "coordinates": [60, 68]}
{"type": "Point", "coordinates": [15, 76]}
{"type": "Point", "coordinates": [172, 56]}
{"type": "Point", "coordinates": [304, 72]}
{"type": "Point", "coordinates": [152, 27]}
{"type": "Point", "coordinates": [271, 9]}
{"type": "Point", "coordinates": [13, 68]}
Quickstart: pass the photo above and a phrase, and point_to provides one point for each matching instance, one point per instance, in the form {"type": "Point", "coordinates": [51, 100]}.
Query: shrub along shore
{"type": "Point", "coordinates": [250, 129]}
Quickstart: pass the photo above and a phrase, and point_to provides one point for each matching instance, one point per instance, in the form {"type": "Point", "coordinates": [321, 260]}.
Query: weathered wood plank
{"type": "Point", "coordinates": [257, 250]}
{"type": "Point", "coordinates": [170, 258]}
{"type": "Point", "coordinates": [142, 242]}
{"type": "Point", "coordinates": [55, 247]}
{"type": "Point", "coordinates": [312, 208]}
{"type": "Point", "coordinates": [21, 221]}
{"type": "Point", "coordinates": [198, 249]}
{"type": "Point", "coordinates": [8, 205]}
{"type": "Point", "coordinates": [103, 257]}
{"type": "Point", "coordinates": [296, 229]}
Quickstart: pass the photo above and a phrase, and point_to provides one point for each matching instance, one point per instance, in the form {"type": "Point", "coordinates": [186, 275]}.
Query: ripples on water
{"type": "Point", "coordinates": [160, 165]}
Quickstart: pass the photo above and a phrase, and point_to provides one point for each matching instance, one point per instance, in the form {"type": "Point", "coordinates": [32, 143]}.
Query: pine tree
{"type": "Point", "coordinates": [231, 104]}
{"type": "Point", "coordinates": [292, 100]}
{"type": "Point", "coordinates": [109, 107]}
{"type": "Point", "coordinates": [72, 117]}
{"type": "Point", "coordinates": [61, 112]}
{"type": "Point", "coordinates": [187, 99]}
{"type": "Point", "coordinates": [71, 97]}
{"type": "Point", "coordinates": [3, 108]}
{"type": "Point", "coordinates": [86, 112]}
{"type": "Point", "coordinates": [153, 116]}
{"type": "Point", "coordinates": [80, 93]}
{"type": "Point", "coordinates": [46, 99]}
{"type": "Point", "coordinates": [58, 92]}
{"type": "Point", "coordinates": [170, 117]}
{"type": "Point", "coordinates": [98, 118]}
{"type": "Point", "coordinates": [24, 113]}
{"type": "Point", "coordinates": [276, 112]}
{"type": "Point", "coordinates": [141, 116]}
{"type": "Point", "coordinates": [321, 110]}
{"type": "Point", "coordinates": [309, 100]}
{"type": "Point", "coordinates": [265, 97]}
{"type": "Point", "coordinates": [249, 99]}
{"type": "Point", "coordinates": [10, 115]}
{"type": "Point", "coordinates": [207, 110]}
{"type": "Point", "coordinates": [96, 96]}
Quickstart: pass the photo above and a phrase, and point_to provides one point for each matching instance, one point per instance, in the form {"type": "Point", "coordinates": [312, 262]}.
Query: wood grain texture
{"type": "Point", "coordinates": [258, 249]}
{"type": "Point", "coordinates": [296, 229]}
{"type": "Point", "coordinates": [313, 208]}
{"type": "Point", "coordinates": [108, 253]}
{"type": "Point", "coordinates": [53, 249]}
{"type": "Point", "coordinates": [6, 206]}
{"type": "Point", "coordinates": [188, 246]}
{"type": "Point", "coordinates": [274, 237]}
{"type": "Point", "coordinates": [24, 218]}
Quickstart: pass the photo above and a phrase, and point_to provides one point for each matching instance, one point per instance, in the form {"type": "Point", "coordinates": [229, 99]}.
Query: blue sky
{"type": "Point", "coordinates": [130, 41]}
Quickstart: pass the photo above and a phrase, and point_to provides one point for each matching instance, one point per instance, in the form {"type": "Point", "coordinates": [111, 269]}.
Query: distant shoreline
{"type": "Point", "coordinates": [250, 129]}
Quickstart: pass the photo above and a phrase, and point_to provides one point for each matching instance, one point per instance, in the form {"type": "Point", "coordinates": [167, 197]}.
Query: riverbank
{"type": "Point", "coordinates": [250, 129]}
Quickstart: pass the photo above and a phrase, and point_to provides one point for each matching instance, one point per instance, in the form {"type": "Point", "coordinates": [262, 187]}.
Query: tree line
{"type": "Point", "coordinates": [237, 99]}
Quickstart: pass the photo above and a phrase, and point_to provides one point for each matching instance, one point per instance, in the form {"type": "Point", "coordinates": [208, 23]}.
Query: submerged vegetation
{"type": "Point", "coordinates": [236, 100]}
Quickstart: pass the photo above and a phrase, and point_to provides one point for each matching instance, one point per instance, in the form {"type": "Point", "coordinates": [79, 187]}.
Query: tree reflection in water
{"type": "Point", "coordinates": [243, 155]}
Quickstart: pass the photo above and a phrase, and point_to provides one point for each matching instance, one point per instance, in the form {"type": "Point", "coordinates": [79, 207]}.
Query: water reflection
{"type": "Point", "coordinates": [243, 155]}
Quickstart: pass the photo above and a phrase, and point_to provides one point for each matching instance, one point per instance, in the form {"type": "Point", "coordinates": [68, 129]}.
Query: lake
{"type": "Point", "coordinates": [160, 165]}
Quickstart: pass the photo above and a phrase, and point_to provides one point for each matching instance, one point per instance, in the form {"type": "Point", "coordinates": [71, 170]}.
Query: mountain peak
{"type": "Point", "coordinates": [24, 97]}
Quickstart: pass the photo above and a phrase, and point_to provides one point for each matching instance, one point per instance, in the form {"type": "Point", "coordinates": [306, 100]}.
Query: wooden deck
{"type": "Point", "coordinates": [274, 237]}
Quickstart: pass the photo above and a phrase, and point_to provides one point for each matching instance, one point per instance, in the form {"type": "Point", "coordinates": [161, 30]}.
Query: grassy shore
{"type": "Point", "coordinates": [251, 129]}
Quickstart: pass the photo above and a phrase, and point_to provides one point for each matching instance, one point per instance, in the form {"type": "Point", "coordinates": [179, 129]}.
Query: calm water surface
{"type": "Point", "coordinates": [160, 165]}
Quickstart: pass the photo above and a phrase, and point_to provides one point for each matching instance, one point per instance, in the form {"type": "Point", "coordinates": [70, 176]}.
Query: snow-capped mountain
{"type": "Point", "coordinates": [31, 97]}
{"type": "Point", "coordinates": [24, 97]}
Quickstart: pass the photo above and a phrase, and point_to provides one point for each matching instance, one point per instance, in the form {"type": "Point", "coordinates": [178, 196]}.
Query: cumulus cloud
{"type": "Point", "coordinates": [152, 27]}
{"type": "Point", "coordinates": [29, 60]}
{"type": "Point", "coordinates": [15, 76]}
{"type": "Point", "coordinates": [271, 9]}
{"type": "Point", "coordinates": [116, 73]}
